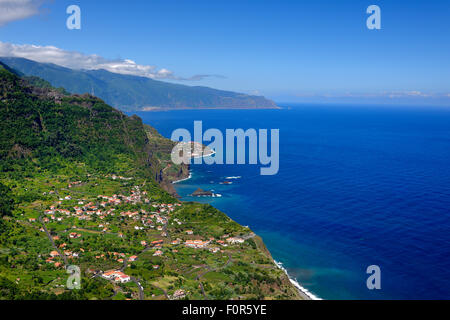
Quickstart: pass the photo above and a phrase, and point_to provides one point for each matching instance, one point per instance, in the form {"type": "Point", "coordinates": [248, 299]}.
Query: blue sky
{"type": "Point", "coordinates": [304, 51]}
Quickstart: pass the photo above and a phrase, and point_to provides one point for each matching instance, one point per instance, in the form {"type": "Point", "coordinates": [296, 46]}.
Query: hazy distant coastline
{"type": "Point", "coordinates": [150, 109]}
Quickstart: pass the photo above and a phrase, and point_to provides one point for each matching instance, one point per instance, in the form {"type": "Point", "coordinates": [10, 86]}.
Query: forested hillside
{"type": "Point", "coordinates": [128, 93]}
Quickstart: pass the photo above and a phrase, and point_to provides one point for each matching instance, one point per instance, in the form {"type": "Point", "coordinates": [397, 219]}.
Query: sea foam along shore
{"type": "Point", "coordinates": [303, 291]}
{"type": "Point", "coordinates": [190, 171]}
{"type": "Point", "coordinates": [176, 181]}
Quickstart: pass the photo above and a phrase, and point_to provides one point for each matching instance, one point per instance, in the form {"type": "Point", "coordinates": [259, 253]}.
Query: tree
{"type": "Point", "coordinates": [6, 201]}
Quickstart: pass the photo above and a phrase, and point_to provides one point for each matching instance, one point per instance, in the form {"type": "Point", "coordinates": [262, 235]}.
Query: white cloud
{"type": "Point", "coordinates": [388, 94]}
{"type": "Point", "coordinates": [407, 94]}
{"type": "Point", "coordinates": [12, 10]}
{"type": "Point", "coordinates": [77, 60]}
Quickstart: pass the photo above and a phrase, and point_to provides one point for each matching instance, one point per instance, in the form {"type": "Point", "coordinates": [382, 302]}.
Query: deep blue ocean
{"type": "Point", "coordinates": [357, 186]}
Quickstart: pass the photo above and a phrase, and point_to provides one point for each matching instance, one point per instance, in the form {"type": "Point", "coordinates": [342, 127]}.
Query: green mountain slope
{"type": "Point", "coordinates": [45, 127]}
{"type": "Point", "coordinates": [46, 124]}
{"type": "Point", "coordinates": [127, 92]}
{"type": "Point", "coordinates": [79, 188]}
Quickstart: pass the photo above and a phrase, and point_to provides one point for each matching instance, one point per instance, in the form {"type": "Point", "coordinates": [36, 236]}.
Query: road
{"type": "Point", "coordinates": [164, 291]}
{"type": "Point", "coordinates": [141, 289]}
{"type": "Point", "coordinates": [53, 243]}
{"type": "Point", "coordinates": [212, 270]}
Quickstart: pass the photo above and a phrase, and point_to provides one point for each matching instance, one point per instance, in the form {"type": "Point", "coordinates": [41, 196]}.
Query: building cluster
{"type": "Point", "coordinates": [116, 177]}
{"type": "Point", "coordinates": [73, 184]}
{"type": "Point", "coordinates": [156, 217]}
{"type": "Point", "coordinates": [87, 210]}
{"type": "Point", "coordinates": [117, 276]}
{"type": "Point", "coordinates": [179, 294]}
{"type": "Point", "coordinates": [196, 243]}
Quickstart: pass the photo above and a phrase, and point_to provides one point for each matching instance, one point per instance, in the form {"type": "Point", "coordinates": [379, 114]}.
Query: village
{"type": "Point", "coordinates": [152, 224]}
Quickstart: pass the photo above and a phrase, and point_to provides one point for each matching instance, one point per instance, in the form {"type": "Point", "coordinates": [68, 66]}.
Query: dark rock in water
{"type": "Point", "coordinates": [202, 193]}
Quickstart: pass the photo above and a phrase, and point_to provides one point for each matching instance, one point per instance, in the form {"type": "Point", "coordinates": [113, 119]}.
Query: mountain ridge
{"type": "Point", "coordinates": [134, 93]}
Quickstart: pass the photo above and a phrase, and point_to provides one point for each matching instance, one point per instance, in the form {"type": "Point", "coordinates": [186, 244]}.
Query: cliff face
{"type": "Point", "coordinates": [166, 179]}
{"type": "Point", "coordinates": [165, 171]}
{"type": "Point", "coordinates": [42, 123]}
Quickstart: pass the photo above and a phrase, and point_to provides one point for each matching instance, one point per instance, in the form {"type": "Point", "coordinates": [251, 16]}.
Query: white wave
{"type": "Point", "coordinates": [204, 155]}
{"type": "Point", "coordinates": [190, 176]}
{"type": "Point", "coordinates": [303, 290]}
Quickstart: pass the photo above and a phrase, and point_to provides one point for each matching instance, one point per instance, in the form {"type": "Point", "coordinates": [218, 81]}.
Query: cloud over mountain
{"type": "Point", "coordinates": [81, 61]}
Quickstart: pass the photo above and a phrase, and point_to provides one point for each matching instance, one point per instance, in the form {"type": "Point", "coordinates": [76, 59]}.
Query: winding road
{"type": "Point", "coordinates": [230, 260]}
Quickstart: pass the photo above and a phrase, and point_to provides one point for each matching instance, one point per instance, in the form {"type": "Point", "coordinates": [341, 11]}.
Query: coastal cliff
{"type": "Point", "coordinates": [86, 186]}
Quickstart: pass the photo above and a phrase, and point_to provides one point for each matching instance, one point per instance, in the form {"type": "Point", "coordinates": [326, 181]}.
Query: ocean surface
{"type": "Point", "coordinates": [357, 186]}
